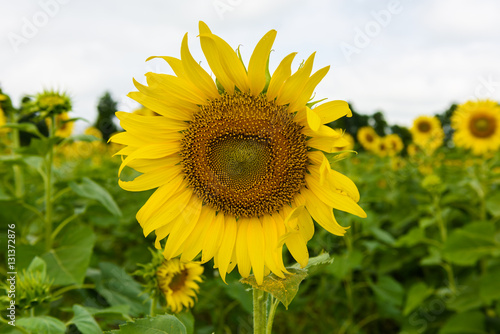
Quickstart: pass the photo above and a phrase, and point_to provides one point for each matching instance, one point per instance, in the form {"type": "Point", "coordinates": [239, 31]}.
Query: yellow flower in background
{"type": "Point", "coordinates": [3, 121]}
{"type": "Point", "coordinates": [477, 126]}
{"type": "Point", "coordinates": [381, 147]}
{"type": "Point", "coordinates": [93, 131]}
{"type": "Point", "coordinates": [427, 133]}
{"type": "Point", "coordinates": [413, 150]}
{"type": "Point", "coordinates": [368, 138]}
{"type": "Point", "coordinates": [238, 165]}
{"type": "Point", "coordinates": [64, 128]}
{"type": "Point", "coordinates": [394, 144]}
{"type": "Point", "coordinates": [179, 283]}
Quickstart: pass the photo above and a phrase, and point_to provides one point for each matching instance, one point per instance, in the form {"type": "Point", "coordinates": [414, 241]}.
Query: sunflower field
{"type": "Point", "coordinates": [414, 246]}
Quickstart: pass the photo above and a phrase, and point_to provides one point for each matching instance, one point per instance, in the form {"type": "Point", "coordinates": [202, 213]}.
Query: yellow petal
{"type": "Point", "coordinates": [194, 243]}
{"type": "Point", "coordinates": [334, 199]}
{"type": "Point", "coordinates": [298, 248]}
{"type": "Point", "coordinates": [178, 112]}
{"type": "Point", "coordinates": [227, 246]}
{"type": "Point", "coordinates": [327, 144]}
{"type": "Point", "coordinates": [185, 222]}
{"type": "Point", "coordinates": [153, 123]}
{"type": "Point", "coordinates": [313, 120]}
{"type": "Point", "coordinates": [159, 197]}
{"type": "Point", "coordinates": [258, 63]}
{"type": "Point", "coordinates": [173, 86]}
{"type": "Point", "coordinates": [271, 241]}
{"type": "Point", "coordinates": [152, 179]}
{"type": "Point", "coordinates": [256, 248]}
{"type": "Point", "coordinates": [175, 64]}
{"type": "Point", "coordinates": [308, 89]}
{"type": "Point", "coordinates": [230, 62]}
{"type": "Point", "coordinates": [242, 256]}
{"type": "Point", "coordinates": [154, 151]}
{"type": "Point", "coordinates": [213, 238]}
{"type": "Point", "coordinates": [169, 211]}
{"type": "Point", "coordinates": [294, 84]}
{"type": "Point", "coordinates": [210, 50]}
{"type": "Point", "coordinates": [196, 73]}
{"type": "Point", "coordinates": [322, 213]}
{"type": "Point", "coordinates": [279, 76]}
{"type": "Point", "coordinates": [149, 165]}
{"type": "Point", "coordinates": [161, 233]}
{"type": "Point", "coordinates": [333, 110]}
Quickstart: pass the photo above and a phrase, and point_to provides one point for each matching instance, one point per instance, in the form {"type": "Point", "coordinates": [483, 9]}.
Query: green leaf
{"type": "Point", "coordinates": [283, 289]}
{"type": "Point", "coordinates": [434, 257]}
{"type": "Point", "coordinates": [161, 324]}
{"type": "Point", "coordinates": [466, 298]}
{"type": "Point", "coordinates": [412, 238]}
{"type": "Point", "coordinates": [91, 190]}
{"type": "Point", "coordinates": [493, 204]}
{"type": "Point", "coordinates": [26, 127]}
{"type": "Point", "coordinates": [416, 295]}
{"type": "Point", "coordinates": [383, 236]}
{"type": "Point", "coordinates": [42, 325]}
{"type": "Point", "coordinates": [123, 310]}
{"type": "Point", "coordinates": [84, 321]}
{"type": "Point", "coordinates": [465, 323]}
{"type": "Point", "coordinates": [81, 137]}
{"type": "Point", "coordinates": [68, 261]}
{"type": "Point", "coordinates": [388, 290]}
{"type": "Point", "coordinates": [467, 245]}
{"type": "Point", "coordinates": [118, 288]}
{"type": "Point", "coordinates": [38, 265]}
{"type": "Point", "coordinates": [346, 263]}
{"type": "Point", "coordinates": [488, 286]}
{"type": "Point", "coordinates": [187, 320]}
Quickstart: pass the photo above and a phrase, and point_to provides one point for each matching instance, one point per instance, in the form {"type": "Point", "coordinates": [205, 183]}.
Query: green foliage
{"type": "Point", "coordinates": [161, 324]}
{"type": "Point", "coordinates": [106, 109]}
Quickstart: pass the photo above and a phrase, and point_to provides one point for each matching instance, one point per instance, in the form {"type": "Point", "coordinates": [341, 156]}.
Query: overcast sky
{"type": "Point", "coordinates": [406, 58]}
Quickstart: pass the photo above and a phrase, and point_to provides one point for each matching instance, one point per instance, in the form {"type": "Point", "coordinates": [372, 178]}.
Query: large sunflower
{"type": "Point", "coordinates": [477, 126]}
{"type": "Point", "coordinates": [427, 133]}
{"type": "Point", "coordinates": [238, 162]}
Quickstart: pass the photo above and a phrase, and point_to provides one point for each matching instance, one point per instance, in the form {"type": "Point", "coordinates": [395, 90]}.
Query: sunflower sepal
{"type": "Point", "coordinates": [285, 289]}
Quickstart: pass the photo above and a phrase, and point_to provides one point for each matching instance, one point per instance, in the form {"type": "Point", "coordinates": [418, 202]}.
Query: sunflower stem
{"type": "Point", "coordinates": [272, 312]}
{"type": "Point", "coordinates": [48, 187]}
{"type": "Point", "coordinates": [259, 311]}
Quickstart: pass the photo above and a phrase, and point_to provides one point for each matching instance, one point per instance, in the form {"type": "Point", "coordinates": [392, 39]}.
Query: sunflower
{"type": "Point", "coordinates": [477, 126]}
{"type": "Point", "coordinates": [349, 139]}
{"type": "Point", "coordinates": [238, 162]}
{"type": "Point", "coordinates": [3, 121]}
{"type": "Point", "coordinates": [394, 144]}
{"type": "Point", "coordinates": [64, 127]}
{"type": "Point", "coordinates": [413, 149]}
{"type": "Point", "coordinates": [178, 282]}
{"type": "Point", "coordinates": [368, 138]}
{"type": "Point", "coordinates": [427, 133]}
{"type": "Point", "coordinates": [382, 147]}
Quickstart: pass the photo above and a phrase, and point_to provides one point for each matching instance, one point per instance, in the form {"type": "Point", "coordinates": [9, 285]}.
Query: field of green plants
{"type": "Point", "coordinates": [425, 260]}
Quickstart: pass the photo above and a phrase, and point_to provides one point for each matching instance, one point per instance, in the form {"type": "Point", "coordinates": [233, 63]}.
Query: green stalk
{"type": "Point", "coordinates": [48, 188]}
{"type": "Point", "coordinates": [152, 310]}
{"type": "Point", "coordinates": [18, 173]}
{"type": "Point", "coordinates": [272, 313]}
{"type": "Point", "coordinates": [259, 311]}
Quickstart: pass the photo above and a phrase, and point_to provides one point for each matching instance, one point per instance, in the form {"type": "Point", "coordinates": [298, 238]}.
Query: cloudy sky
{"type": "Point", "coordinates": [406, 58]}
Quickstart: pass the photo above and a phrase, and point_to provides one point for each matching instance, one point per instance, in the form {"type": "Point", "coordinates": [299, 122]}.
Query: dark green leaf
{"type": "Point", "coordinates": [68, 261]}
{"type": "Point", "coordinates": [187, 320]}
{"type": "Point", "coordinates": [416, 295]}
{"type": "Point", "coordinates": [161, 324]}
{"type": "Point", "coordinates": [465, 323]}
{"type": "Point", "coordinates": [467, 245]}
{"type": "Point", "coordinates": [42, 325]}
{"type": "Point", "coordinates": [413, 237]}
{"type": "Point", "coordinates": [90, 189]}
{"type": "Point", "coordinates": [388, 290]}
{"type": "Point", "coordinates": [489, 285]}
{"type": "Point", "coordinates": [84, 321]}
{"type": "Point", "coordinates": [118, 288]}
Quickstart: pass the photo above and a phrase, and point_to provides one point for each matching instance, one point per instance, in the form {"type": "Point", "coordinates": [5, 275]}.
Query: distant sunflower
{"type": "Point", "coordinates": [368, 138]}
{"type": "Point", "coordinates": [413, 149]}
{"type": "Point", "coordinates": [477, 126]}
{"type": "Point", "coordinates": [427, 133]}
{"type": "Point", "coordinates": [64, 128]}
{"type": "Point", "coordinates": [179, 283]}
{"type": "Point", "coordinates": [237, 162]}
{"type": "Point", "coordinates": [394, 144]}
{"type": "Point", "coordinates": [382, 147]}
